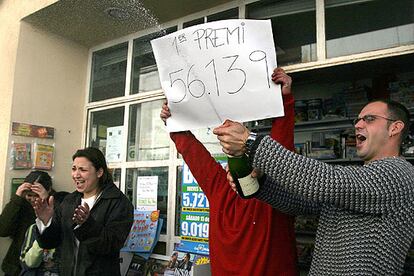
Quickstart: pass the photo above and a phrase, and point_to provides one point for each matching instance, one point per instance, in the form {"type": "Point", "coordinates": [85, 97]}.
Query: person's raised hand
{"type": "Point", "coordinates": [81, 214]}
{"type": "Point", "coordinates": [165, 113]}
{"type": "Point", "coordinates": [40, 190]}
{"type": "Point", "coordinates": [280, 77]}
{"type": "Point", "coordinates": [44, 209]}
{"type": "Point", "coordinates": [232, 137]}
{"type": "Point", "coordinates": [22, 188]}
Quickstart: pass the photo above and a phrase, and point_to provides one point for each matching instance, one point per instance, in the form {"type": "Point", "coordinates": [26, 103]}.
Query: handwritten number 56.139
{"type": "Point", "coordinates": [197, 88]}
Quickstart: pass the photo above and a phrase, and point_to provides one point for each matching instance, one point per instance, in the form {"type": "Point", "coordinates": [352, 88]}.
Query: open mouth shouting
{"type": "Point", "coordinates": [79, 183]}
{"type": "Point", "coordinates": [360, 140]}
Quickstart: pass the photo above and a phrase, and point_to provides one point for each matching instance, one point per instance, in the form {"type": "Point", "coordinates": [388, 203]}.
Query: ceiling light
{"type": "Point", "coordinates": [117, 13]}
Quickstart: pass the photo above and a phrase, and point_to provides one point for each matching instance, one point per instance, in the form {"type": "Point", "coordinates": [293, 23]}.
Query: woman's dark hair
{"type": "Point", "coordinates": [98, 160]}
{"type": "Point", "coordinates": [40, 177]}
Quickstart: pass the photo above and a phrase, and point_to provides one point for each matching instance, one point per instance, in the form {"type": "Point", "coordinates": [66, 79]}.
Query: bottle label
{"type": "Point", "coordinates": [249, 185]}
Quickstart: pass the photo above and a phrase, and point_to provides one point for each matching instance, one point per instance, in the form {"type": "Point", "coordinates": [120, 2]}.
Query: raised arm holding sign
{"type": "Point", "coordinates": [217, 71]}
{"type": "Point", "coordinates": [246, 237]}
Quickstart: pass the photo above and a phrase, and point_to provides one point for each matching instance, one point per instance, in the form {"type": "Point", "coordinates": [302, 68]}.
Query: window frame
{"type": "Point", "coordinates": [174, 161]}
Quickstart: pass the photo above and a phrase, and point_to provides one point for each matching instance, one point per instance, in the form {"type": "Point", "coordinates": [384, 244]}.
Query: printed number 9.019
{"type": "Point", "coordinates": [194, 229]}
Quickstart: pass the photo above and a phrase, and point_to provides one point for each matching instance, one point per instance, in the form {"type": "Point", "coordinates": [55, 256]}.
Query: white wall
{"type": "Point", "coordinates": [11, 13]}
{"type": "Point", "coordinates": [49, 89]}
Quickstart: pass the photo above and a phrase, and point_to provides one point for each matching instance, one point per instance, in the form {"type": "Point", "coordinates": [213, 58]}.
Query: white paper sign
{"type": "Point", "coordinates": [147, 187]}
{"type": "Point", "coordinates": [217, 71]}
{"type": "Point", "coordinates": [113, 144]}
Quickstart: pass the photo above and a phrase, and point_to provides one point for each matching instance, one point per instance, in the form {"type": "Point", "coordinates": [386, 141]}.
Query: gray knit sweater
{"type": "Point", "coordinates": [366, 221]}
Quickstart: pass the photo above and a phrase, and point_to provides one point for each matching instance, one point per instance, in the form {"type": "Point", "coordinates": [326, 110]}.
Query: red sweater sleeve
{"type": "Point", "coordinates": [208, 173]}
{"type": "Point", "coordinates": [283, 127]}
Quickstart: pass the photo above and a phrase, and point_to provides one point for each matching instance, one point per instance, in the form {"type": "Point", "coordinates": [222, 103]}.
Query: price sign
{"type": "Point", "coordinates": [216, 71]}
{"type": "Point", "coordinates": [194, 221]}
{"type": "Point", "coordinates": [194, 225]}
{"type": "Point", "coordinates": [194, 200]}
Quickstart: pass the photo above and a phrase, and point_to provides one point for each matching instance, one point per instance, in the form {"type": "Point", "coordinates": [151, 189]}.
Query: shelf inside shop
{"type": "Point", "coordinates": [324, 125]}
{"type": "Point", "coordinates": [317, 125]}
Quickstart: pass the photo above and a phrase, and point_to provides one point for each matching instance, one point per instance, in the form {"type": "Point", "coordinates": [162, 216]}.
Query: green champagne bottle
{"type": "Point", "coordinates": [240, 170]}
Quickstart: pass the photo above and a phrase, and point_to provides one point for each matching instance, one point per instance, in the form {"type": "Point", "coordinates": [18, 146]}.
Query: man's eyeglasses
{"type": "Point", "coordinates": [370, 118]}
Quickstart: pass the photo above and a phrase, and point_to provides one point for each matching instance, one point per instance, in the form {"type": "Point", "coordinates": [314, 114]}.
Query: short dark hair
{"type": "Point", "coordinates": [99, 162]}
{"type": "Point", "coordinates": [398, 111]}
{"type": "Point", "coordinates": [40, 177]}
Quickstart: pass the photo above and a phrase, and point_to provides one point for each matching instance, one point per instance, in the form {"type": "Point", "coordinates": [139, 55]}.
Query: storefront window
{"type": "Point", "coordinates": [144, 69]}
{"type": "Point", "coordinates": [367, 25]}
{"type": "Point", "coordinates": [137, 144]}
{"type": "Point", "coordinates": [193, 22]}
{"type": "Point", "coordinates": [100, 134]}
{"type": "Point", "coordinates": [162, 190]}
{"type": "Point", "coordinates": [116, 177]}
{"type": "Point", "coordinates": [293, 25]}
{"type": "Point", "coordinates": [109, 73]}
{"type": "Point", "coordinates": [148, 138]}
{"type": "Point", "coordinates": [228, 14]}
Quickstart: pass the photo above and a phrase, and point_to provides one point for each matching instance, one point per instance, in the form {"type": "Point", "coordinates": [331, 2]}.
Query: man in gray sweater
{"type": "Point", "coordinates": [366, 222]}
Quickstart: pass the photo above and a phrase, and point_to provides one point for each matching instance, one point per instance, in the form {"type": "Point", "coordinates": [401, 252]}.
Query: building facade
{"type": "Point", "coordinates": [82, 68]}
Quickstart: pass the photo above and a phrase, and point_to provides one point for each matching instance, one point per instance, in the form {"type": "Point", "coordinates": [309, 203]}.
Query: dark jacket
{"type": "Point", "coordinates": [16, 217]}
{"type": "Point", "coordinates": [101, 236]}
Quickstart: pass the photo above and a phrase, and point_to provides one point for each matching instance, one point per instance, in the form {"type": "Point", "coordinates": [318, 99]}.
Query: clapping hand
{"type": "Point", "coordinates": [81, 214]}
{"type": "Point", "coordinates": [44, 209]}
